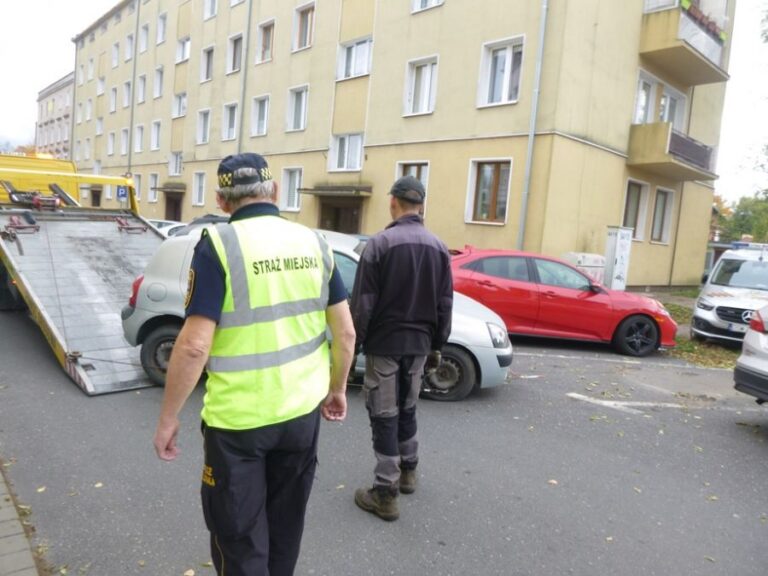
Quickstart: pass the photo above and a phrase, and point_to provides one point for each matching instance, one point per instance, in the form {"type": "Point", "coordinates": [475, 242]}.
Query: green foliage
{"type": "Point", "coordinates": [750, 216]}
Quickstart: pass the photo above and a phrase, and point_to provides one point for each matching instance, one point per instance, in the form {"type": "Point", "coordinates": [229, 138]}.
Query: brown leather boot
{"type": "Point", "coordinates": [379, 501]}
{"type": "Point", "coordinates": [408, 481]}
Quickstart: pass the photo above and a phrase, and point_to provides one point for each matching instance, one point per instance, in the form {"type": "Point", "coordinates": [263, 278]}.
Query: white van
{"type": "Point", "coordinates": [736, 287]}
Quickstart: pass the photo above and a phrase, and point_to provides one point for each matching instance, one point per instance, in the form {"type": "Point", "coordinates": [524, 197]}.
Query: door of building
{"type": "Point", "coordinates": [95, 197]}
{"type": "Point", "coordinates": [341, 214]}
{"type": "Point", "coordinates": [173, 206]}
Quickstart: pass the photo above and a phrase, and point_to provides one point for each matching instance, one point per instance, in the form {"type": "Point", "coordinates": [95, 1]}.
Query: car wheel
{"type": "Point", "coordinates": [637, 336]}
{"type": "Point", "coordinates": [453, 380]}
{"type": "Point", "coordinates": [156, 351]}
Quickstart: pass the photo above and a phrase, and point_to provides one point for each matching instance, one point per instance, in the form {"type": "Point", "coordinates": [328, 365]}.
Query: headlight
{"type": "Point", "coordinates": [498, 334]}
{"type": "Point", "coordinates": [704, 304]}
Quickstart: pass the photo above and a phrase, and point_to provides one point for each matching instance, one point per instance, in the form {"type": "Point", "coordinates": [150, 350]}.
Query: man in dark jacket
{"type": "Point", "coordinates": [401, 306]}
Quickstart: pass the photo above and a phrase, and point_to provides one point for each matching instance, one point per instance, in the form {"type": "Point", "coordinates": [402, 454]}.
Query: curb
{"type": "Point", "coordinates": [15, 549]}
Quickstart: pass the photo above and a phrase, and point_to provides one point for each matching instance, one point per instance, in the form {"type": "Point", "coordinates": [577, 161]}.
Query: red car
{"type": "Point", "coordinates": [537, 295]}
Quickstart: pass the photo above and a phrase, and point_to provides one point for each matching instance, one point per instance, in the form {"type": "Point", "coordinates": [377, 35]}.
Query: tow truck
{"type": "Point", "coordinates": [72, 267]}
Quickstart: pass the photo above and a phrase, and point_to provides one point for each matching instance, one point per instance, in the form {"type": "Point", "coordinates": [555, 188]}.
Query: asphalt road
{"type": "Point", "coordinates": [587, 463]}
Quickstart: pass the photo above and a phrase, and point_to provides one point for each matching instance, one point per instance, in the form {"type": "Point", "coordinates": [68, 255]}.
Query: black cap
{"type": "Point", "coordinates": [409, 188]}
{"type": "Point", "coordinates": [229, 167]}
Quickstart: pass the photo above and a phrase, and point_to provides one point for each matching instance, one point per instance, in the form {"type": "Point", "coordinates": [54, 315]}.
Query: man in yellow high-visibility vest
{"type": "Point", "coordinates": [262, 292]}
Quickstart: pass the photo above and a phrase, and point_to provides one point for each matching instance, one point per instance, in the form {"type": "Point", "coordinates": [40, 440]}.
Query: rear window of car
{"type": "Point", "coordinates": [741, 274]}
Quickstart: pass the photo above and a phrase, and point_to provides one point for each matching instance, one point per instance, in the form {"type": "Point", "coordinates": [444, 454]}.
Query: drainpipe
{"type": "Point", "coordinates": [135, 57]}
{"type": "Point", "coordinates": [532, 126]}
{"type": "Point", "coordinates": [244, 77]}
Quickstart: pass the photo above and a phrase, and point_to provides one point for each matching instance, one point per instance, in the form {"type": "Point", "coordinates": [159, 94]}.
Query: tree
{"type": "Point", "coordinates": [750, 216]}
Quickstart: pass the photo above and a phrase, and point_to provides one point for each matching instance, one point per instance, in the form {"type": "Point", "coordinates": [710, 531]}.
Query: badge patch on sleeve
{"type": "Point", "coordinates": [190, 288]}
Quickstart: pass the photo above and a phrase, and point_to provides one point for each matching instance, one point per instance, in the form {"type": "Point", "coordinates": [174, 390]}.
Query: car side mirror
{"type": "Point", "coordinates": [596, 288]}
{"type": "Point", "coordinates": [704, 278]}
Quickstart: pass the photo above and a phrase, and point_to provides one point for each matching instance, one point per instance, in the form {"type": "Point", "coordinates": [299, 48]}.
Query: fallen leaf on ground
{"type": "Point", "coordinates": [552, 482]}
{"type": "Point", "coordinates": [41, 489]}
{"type": "Point", "coordinates": [189, 572]}
{"type": "Point", "coordinates": [98, 485]}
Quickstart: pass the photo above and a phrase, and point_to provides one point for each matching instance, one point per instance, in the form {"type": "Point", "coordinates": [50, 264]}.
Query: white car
{"type": "Point", "coordinates": [736, 287]}
{"type": "Point", "coordinates": [167, 227]}
{"type": "Point", "coordinates": [751, 373]}
{"type": "Point", "coordinates": [478, 353]}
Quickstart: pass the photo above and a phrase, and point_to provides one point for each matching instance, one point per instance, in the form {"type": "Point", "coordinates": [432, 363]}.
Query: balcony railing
{"type": "Point", "coordinates": [660, 149]}
{"type": "Point", "coordinates": [680, 45]}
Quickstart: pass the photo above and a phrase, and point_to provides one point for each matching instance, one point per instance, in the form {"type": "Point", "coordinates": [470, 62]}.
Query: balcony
{"type": "Point", "coordinates": [660, 149]}
{"type": "Point", "coordinates": [676, 44]}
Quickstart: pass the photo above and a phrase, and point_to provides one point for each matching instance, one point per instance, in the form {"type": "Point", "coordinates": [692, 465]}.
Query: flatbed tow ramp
{"type": "Point", "coordinates": [74, 269]}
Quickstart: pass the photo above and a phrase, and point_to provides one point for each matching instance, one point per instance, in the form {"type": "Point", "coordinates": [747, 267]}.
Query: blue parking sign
{"type": "Point", "coordinates": [122, 193]}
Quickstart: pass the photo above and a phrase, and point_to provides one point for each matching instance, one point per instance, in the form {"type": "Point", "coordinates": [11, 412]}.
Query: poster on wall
{"type": "Point", "coordinates": [617, 249]}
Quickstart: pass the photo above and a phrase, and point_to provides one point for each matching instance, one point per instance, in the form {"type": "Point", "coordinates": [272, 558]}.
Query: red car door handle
{"type": "Point", "coordinates": [550, 294]}
{"type": "Point", "coordinates": [485, 282]}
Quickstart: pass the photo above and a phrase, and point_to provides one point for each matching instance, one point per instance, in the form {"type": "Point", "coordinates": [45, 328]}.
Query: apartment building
{"type": "Point", "coordinates": [535, 124]}
{"type": "Point", "coordinates": [54, 117]}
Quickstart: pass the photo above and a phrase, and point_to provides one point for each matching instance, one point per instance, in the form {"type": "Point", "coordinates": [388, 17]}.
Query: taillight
{"type": "Point", "coordinates": [135, 291]}
{"type": "Point", "coordinates": [757, 323]}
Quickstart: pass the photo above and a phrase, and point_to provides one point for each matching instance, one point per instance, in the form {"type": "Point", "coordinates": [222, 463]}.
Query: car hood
{"type": "Point", "coordinates": [466, 306]}
{"type": "Point", "coordinates": [735, 297]}
{"type": "Point", "coordinates": [622, 300]}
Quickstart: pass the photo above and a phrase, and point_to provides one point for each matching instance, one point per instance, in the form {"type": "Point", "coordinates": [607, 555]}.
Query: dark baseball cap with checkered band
{"type": "Point", "coordinates": [229, 168]}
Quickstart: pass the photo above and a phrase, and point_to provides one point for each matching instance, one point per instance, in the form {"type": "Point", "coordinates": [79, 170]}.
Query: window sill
{"type": "Point", "coordinates": [287, 130]}
{"type": "Point", "coordinates": [205, 80]}
{"type": "Point", "coordinates": [301, 49]}
{"type": "Point", "coordinates": [227, 139]}
{"type": "Point", "coordinates": [293, 210]}
{"type": "Point", "coordinates": [202, 143]}
{"type": "Point", "coordinates": [420, 10]}
{"type": "Point", "coordinates": [343, 170]}
{"type": "Point", "coordinates": [484, 223]}
{"type": "Point", "coordinates": [177, 116]}
{"type": "Point", "coordinates": [497, 104]}
{"type": "Point", "coordinates": [412, 114]}
{"type": "Point", "coordinates": [659, 243]}
{"type": "Point", "coordinates": [230, 72]}
{"type": "Point", "coordinates": [364, 74]}
{"type": "Point", "coordinates": [258, 135]}
{"type": "Point", "coordinates": [265, 61]}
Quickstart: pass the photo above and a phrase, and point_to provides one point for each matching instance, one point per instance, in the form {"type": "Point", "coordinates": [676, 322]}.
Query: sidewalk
{"type": "Point", "coordinates": [15, 551]}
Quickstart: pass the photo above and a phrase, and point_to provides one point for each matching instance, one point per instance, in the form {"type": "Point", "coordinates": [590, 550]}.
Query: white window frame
{"type": "Point", "coordinates": [421, 5]}
{"type": "Point", "coordinates": [235, 53]}
{"type": "Point", "coordinates": [141, 89]}
{"type": "Point", "coordinates": [179, 108]}
{"type": "Point", "coordinates": [290, 113]}
{"type": "Point", "coordinates": [154, 183]}
{"type": "Point", "coordinates": [110, 144]}
{"type": "Point", "coordinates": [87, 149]}
{"type": "Point", "coordinates": [261, 54]}
{"type": "Point", "coordinates": [77, 150]}
{"type": "Point", "coordinates": [235, 2]}
{"type": "Point", "coordinates": [162, 28]}
{"type": "Point", "coordinates": [285, 189]}
{"type": "Point", "coordinates": [127, 93]}
{"type": "Point", "coordinates": [255, 109]}
{"type": "Point", "coordinates": [91, 67]}
{"type": "Point", "coordinates": [128, 48]}
{"type": "Point", "coordinates": [155, 133]}
{"type": "Point", "coordinates": [206, 64]}
{"type": "Point", "coordinates": [99, 126]}
{"type": "Point", "coordinates": [512, 45]}
{"type": "Point", "coordinates": [137, 186]}
{"type": "Point", "coordinates": [354, 59]}
{"type": "Point", "coordinates": [143, 38]}
{"type": "Point", "coordinates": [79, 113]}
{"type": "Point", "coordinates": [681, 107]}
{"type": "Point", "coordinates": [80, 75]}
{"type": "Point", "coordinates": [108, 191]}
{"type": "Point", "coordinates": [88, 109]}
{"type": "Point", "coordinates": [421, 102]}
{"type": "Point", "coordinates": [175, 163]}
{"type": "Point", "coordinates": [113, 99]}
{"type": "Point", "coordinates": [645, 111]}
{"type": "Point", "coordinates": [183, 49]}
{"type": "Point", "coordinates": [229, 120]}
{"type": "Point", "coordinates": [101, 83]}
{"type": "Point", "coordinates": [344, 148]}
{"type": "Point", "coordinates": [638, 231]}
{"type": "Point", "coordinates": [469, 207]}
{"type": "Point", "coordinates": [157, 85]}
{"type": "Point", "coordinates": [115, 54]}
{"type": "Point", "coordinates": [209, 9]}
{"type": "Point", "coordinates": [400, 171]}
{"type": "Point", "coordinates": [666, 216]}
{"type": "Point", "coordinates": [203, 133]}
{"type": "Point", "coordinates": [124, 138]}
{"type": "Point", "coordinates": [198, 189]}
{"type": "Point", "coordinates": [302, 42]}
{"type": "Point", "coordinates": [138, 138]}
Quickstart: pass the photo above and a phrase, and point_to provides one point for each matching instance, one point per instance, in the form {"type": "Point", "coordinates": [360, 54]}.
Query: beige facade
{"type": "Point", "coordinates": [54, 117]}
{"type": "Point", "coordinates": [344, 96]}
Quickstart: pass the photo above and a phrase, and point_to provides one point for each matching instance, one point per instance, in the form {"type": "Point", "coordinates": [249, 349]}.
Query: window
{"type": "Point", "coordinates": [303, 23]}
{"type": "Point", "coordinates": [175, 164]}
{"type": "Point", "coordinates": [115, 54]}
{"type": "Point", "coordinates": [500, 72]}
{"type": "Point", "coordinates": [162, 23]}
{"type": "Point", "coordinates": [154, 184]}
{"type": "Point", "coordinates": [128, 54]}
{"type": "Point", "coordinates": [100, 84]}
{"type": "Point", "coordinates": [235, 54]}
{"type": "Point", "coordinates": [90, 68]}
{"type": "Point", "coordinates": [77, 150]}
{"type": "Point", "coordinates": [113, 99]}
{"type": "Point", "coordinates": [557, 274]}
{"type": "Point", "coordinates": [99, 126]}
{"type": "Point", "coordinates": [138, 138]}
{"type": "Point", "coordinates": [183, 46]}
{"type": "Point", "coordinates": [108, 191]}
{"type": "Point", "coordinates": [229, 123]}
{"type": "Point", "coordinates": [88, 109]}
{"type": "Point", "coordinates": [662, 215]}
{"type": "Point", "coordinates": [259, 116]}
{"type": "Point", "coordinates": [110, 143]}
{"type": "Point", "coordinates": [124, 141]}
{"type": "Point", "coordinates": [671, 103]}
{"type": "Point", "coordinates": [297, 108]}
{"type": "Point", "coordinates": [143, 38]}
{"type": "Point", "coordinates": [137, 186]}
{"type": "Point", "coordinates": [507, 267]}
{"type": "Point", "coordinates": [644, 100]}
{"type": "Point", "coordinates": [418, 5]}
{"type": "Point", "coordinates": [206, 65]}
{"type": "Point", "coordinates": [198, 189]}
{"type": "Point", "coordinates": [289, 198]}
{"type": "Point", "coordinates": [203, 126]}
{"type": "Point", "coordinates": [419, 170]}
{"type": "Point", "coordinates": [87, 149]}
{"type": "Point", "coordinates": [154, 137]}
{"type": "Point", "coordinates": [490, 181]}
{"type": "Point", "coordinates": [634, 209]}
{"type": "Point", "coordinates": [80, 75]}
{"type": "Point", "coordinates": [672, 108]}
{"type": "Point", "coordinates": [346, 152]}
{"type": "Point", "coordinates": [141, 89]}
{"type": "Point", "coordinates": [179, 105]}
{"type": "Point", "coordinates": [354, 59]}
{"type": "Point", "coordinates": [126, 94]}
{"type": "Point", "coordinates": [209, 9]}
{"type": "Point", "coordinates": [264, 41]}
{"type": "Point", "coordinates": [422, 81]}
{"type": "Point", "coordinates": [157, 88]}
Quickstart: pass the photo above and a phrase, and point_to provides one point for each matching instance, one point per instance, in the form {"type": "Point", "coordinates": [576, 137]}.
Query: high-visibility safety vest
{"type": "Point", "coordinates": [269, 361]}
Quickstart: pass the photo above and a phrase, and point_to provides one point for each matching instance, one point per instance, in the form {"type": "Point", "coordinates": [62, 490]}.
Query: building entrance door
{"type": "Point", "coordinates": [341, 214]}
{"type": "Point", "coordinates": [173, 206]}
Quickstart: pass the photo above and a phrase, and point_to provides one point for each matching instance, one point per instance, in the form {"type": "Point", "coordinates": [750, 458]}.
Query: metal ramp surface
{"type": "Point", "coordinates": [75, 274]}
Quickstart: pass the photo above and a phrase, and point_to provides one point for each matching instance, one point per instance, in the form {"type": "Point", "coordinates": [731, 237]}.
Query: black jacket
{"type": "Point", "coordinates": [403, 295]}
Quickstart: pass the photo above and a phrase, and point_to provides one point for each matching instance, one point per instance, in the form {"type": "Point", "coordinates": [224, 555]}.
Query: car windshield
{"type": "Point", "coordinates": [742, 274]}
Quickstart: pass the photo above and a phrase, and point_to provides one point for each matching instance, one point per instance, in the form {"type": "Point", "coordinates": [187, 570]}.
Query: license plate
{"type": "Point", "coordinates": [737, 327]}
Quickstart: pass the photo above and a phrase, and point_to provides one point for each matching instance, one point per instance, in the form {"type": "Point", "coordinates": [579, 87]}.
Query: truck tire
{"type": "Point", "coordinates": [156, 351]}
{"type": "Point", "coordinates": [453, 382]}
